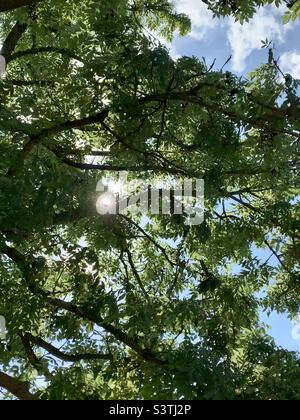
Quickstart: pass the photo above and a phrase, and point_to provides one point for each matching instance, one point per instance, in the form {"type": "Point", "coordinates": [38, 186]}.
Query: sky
{"type": "Point", "coordinates": [219, 39]}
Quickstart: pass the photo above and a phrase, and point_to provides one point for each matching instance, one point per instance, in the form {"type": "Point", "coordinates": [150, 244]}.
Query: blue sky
{"type": "Point", "coordinates": [221, 38]}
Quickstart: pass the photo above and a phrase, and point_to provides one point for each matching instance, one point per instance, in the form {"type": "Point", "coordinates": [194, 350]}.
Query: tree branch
{"type": "Point", "coordinates": [264, 122]}
{"type": "Point", "coordinates": [63, 356]}
{"type": "Point", "coordinates": [12, 39]}
{"type": "Point", "coordinates": [136, 275]}
{"type": "Point", "coordinates": [16, 387]}
{"type": "Point", "coordinates": [146, 354]}
{"type": "Point", "coordinates": [31, 356]}
{"type": "Point", "coordinates": [7, 5]}
{"type": "Point", "coordinates": [36, 139]}
{"type": "Point", "coordinates": [33, 51]}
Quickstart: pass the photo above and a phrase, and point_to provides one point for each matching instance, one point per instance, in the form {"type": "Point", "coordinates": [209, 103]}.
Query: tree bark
{"type": "Point", "coordinates": [18, 388]}
{"type": "Point", "coordinates": [6, 5]}
{"type": "Point", "coordinates": [12, 39]}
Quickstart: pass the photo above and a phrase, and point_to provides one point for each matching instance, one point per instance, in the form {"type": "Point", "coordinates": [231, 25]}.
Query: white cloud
{"type": "Point", "coordinates": [290, 63]}
{"type": "Point", "coordinates": [244, 39]}
{"type": "Point", "coordinates": [201, 17]}
{"type": "Point", "coordinates": [241, 39]}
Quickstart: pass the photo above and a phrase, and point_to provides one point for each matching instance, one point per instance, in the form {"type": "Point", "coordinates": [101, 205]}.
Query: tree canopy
{"type": "Point", "coordinates": [107, 307]}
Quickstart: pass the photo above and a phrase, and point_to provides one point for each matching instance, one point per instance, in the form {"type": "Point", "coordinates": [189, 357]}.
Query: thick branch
{"type": "Point", "coordinates": [37, 138]}
{"type": "Point", "coordinates": [145, 354]}
{"type": "Point", "coordinates": [12, 39]}
{"type": "Point", "coordinates": [6, 5]}
{"type": "Point", "coordinates": [31, 356]}
{"type": "Point", "coordinates": [14, 255]}
{"type": "Point", "coordinates": [136, 274]}
{"type": "Point", "coordinates": [16, 387]}
{"type": "Point", "coordinates": [63, 356]}
{"type": "Point", "coordinates": [116, 168]}
{"type": "Point", "coordinates": [41, 50]}
{"type": "Point", "coordinates": [266, 122]}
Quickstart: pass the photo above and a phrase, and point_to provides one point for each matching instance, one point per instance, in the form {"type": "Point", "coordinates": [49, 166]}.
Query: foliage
{"type": "Point", "coordinates": [293, 13]}
{"type": "Point", "coordinates": [104, 307]}
{"type": "Point", "coordinates": [244, 10]}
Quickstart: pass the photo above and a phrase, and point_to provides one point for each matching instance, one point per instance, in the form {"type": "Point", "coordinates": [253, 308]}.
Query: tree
{"type": "Point", "coordinates": [105, 307]}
